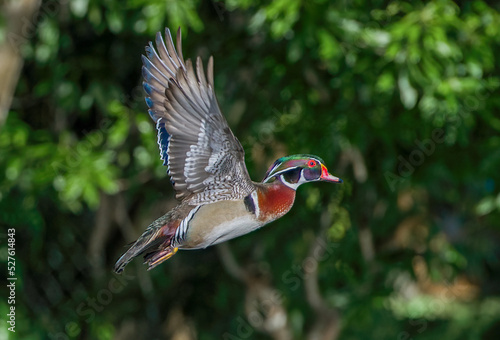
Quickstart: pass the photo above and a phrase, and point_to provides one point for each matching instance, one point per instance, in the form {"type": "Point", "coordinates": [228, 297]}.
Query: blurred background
{"type": "Point", "coordinates": [401, 100]}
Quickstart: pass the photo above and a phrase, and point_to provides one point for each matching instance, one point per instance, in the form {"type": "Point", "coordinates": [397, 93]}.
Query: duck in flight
{"type": "Point", "coordinates": [217, 199]}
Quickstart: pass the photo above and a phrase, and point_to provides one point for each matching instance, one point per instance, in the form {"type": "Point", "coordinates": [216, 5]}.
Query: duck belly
{"type": "Point", "coordinates": [218, 222]}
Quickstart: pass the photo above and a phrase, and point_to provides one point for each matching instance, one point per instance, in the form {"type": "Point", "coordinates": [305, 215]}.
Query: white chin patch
{"type": "Point", "coordinates": [294, 186]}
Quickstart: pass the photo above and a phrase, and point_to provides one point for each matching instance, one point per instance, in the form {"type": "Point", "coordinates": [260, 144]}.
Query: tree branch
{"type": "Point", "coordinates": [17, 14]}
{"type": "Point", "coordinates": [327, 324]}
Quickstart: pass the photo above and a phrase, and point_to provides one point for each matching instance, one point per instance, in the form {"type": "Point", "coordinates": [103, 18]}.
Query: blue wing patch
{"type": "Point", "coordinates": [152, 115]}
{"type": "Point", "coordinates": [163, 140]}
{"type": "Point", "coordinates": [147, 88]}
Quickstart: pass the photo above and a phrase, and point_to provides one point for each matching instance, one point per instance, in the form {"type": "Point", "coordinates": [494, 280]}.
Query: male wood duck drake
{"type": "Point", "coordinates": [218, 200]}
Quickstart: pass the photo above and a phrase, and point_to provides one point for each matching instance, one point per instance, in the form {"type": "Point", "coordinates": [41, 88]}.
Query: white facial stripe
{"type": "Point", "coordinates": [302, 178]}
{"type": "Point", "coordinates": [274, 167]}
{"type": "Point", "coordinates": [294, 186]}
{"type": "Point", "coordinates": [280, 172]}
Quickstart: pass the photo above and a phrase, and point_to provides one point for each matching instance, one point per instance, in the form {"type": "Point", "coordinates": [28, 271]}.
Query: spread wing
{"type": "Point", "coordinates": [205, 160]}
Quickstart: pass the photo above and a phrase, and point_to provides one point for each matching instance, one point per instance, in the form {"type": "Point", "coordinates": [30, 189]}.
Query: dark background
{"type": "Point", "coordinates": [399, 98]}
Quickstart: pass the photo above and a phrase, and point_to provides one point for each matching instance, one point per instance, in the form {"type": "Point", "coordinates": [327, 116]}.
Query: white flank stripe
{"type": "Point", "coordinates": [181, 231]}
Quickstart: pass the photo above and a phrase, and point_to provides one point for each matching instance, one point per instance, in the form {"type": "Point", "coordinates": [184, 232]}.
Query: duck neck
{"type": "Point", "coordinates": [275, 199]}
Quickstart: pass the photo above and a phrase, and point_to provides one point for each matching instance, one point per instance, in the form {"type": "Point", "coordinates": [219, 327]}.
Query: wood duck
{"type": "Point", "coordinates": [218, 200]}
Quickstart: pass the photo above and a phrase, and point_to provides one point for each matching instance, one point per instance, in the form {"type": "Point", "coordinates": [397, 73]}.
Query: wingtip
{"type": "Point", "coordinates": [147, 88]}
{"type": "Point", "coordinates": [167, 31]}
{"type": "Point", "coordinates": [158, 36]}
{"type": "Point", "coordinates": [152, 114]}
{"type": "Point", "coordinates": [168, 35]}
{"type": "Point", "coordinates": [149, 50]}
{"type": "Point", "coordinates": [146, 66]}
{"type": "Point", "coordinates": [210, 71]}
{"type": "Point", "coordinates": [180, 56]}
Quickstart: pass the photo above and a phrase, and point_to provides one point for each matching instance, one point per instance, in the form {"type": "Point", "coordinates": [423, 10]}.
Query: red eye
{"type": "Point", "coordinates": [311, 163]}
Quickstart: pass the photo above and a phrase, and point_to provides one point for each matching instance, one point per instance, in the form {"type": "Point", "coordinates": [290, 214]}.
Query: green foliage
{"type": "Point", "coordinates": [399, 99]}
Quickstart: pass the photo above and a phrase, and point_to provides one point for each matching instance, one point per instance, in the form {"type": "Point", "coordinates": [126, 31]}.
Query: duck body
{"type": "Point", "coordinates": [217, 199]}
{"type": "Point", "coordinates": [222, 221]}
{"type": "Point", "coordinates": [200, 226]}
